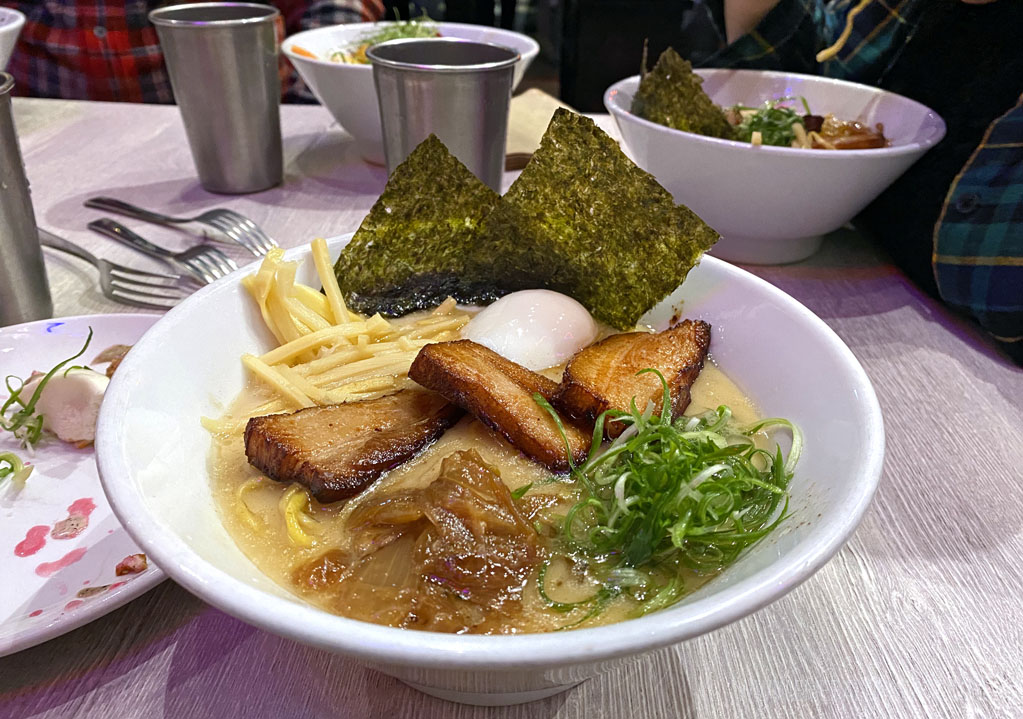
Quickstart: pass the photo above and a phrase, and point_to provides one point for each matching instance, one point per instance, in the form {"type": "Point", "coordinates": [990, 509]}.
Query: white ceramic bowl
{"type": "Point", "coordinates": [348, 91]}
{"type": "Point", "coordinates": [11, 22]}
{"type": "Point", "coordinates": [772, 204]}
{"type": "Point", "coordinates": [152, 455]}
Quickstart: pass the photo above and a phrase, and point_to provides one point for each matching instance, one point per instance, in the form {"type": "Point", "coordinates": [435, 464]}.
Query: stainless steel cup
{"type": "Point", "coordinates": [24, 291]}
{"type": "Point", "coordinates": [456, 89]}
{"type": "Point", "coordinates": [222, 59]}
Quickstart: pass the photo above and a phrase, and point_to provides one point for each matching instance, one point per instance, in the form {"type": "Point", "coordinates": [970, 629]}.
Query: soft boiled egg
{"type": "Point", "coordinates": [537, 329]}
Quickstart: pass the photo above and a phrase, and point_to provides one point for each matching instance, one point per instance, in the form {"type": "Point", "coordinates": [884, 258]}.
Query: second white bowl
{"type": "Point", "coordinates": [347, 90]}
{"type": "Point", "coordinates": [772, 204]}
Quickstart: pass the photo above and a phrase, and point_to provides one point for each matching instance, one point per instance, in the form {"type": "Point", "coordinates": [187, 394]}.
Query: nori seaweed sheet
{"type": "Point", "coordinates": [412, 249]}
{"type": "Point", "coordinates": [671, 95]}
{"type": "Point", "coordinates": [584, 220]}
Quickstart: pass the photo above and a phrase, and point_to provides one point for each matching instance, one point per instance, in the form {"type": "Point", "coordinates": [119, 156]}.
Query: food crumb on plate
{"type": "Point", "coordinates": [132, 564]}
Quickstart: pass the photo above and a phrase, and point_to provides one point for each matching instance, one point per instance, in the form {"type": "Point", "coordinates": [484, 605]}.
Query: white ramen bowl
{"type": "Point", "coordinates": [347, 90]}
{"type": "Point", "coordinates": [152, 456]}
{"type": "Point", "coordinates": [11, 22]}
{"type": "Point", "coordinates": [771, 205]}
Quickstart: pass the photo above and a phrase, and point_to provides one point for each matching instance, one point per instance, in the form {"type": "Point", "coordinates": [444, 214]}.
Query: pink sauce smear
{"type": "Point", "coordinates": [35, 613]}
{"type": "Point", "coordinates": [73, 604]}
{"type": "Point", "coordinates": [83, 506]}
{"type": "Point", "coordinates": [34, 540]}
{"type": "Point", "coordinates": [48, 569]}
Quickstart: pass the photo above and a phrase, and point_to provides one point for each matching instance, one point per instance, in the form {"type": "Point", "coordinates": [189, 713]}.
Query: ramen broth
{"type": "Point", "coordinates": [251, 509]}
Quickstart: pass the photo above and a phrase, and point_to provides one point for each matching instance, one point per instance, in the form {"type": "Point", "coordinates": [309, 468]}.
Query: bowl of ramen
{"type": "Point", "coordinates": [332, 62]}
{"type": "Point", "coordinates": [771, 160]}
{"type": "Point", "coordinates": [260, 550]}
{"type": "Point", "coordinates": [465, 443]}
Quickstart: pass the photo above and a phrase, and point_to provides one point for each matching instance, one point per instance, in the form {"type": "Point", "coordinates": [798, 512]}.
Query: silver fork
{"type": "Point", "coordinates": [228, 222]}
{"type": "Point", "coordinates": [120, 283]}
{"type": "Point", "coordinates": [203, 262]}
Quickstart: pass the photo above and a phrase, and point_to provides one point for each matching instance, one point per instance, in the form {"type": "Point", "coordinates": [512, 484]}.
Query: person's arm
{"type": "Point", "coordinates": [788, 35]}
{"type": "Point", "coordinates": [769, 34]}
{"type": "Point", "coordinates": [742, 16]}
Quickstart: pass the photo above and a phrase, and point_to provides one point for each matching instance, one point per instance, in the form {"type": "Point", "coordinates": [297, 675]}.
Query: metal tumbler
{"type": "Point", "coordinates": [456, 89]}
{"type": "Point", "coordinates": [222, 60]}
{"type": "Point", "coordinates": [24, 290]}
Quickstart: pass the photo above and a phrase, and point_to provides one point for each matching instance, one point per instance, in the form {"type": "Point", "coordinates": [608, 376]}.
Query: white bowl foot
{"type": "Point", "coordinates": [500, 699]}
{"type": "Point", "coordinates": [758, 251]}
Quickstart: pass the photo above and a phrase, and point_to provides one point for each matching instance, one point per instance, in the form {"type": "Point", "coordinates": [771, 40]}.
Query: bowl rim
{"type": "Point", "coordinates": [368, 642]}
{"type": "Point", "coordinates": [290, 41]}
{"type": "Point", "coordinates": [373, 53]}
{"type": "Point", "coordinates": [18, 19]}
{"type": "Point", "coordinates": [613, 106]}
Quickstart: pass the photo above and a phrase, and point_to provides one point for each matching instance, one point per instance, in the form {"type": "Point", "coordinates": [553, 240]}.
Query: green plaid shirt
{"type": "Point", "coordinates": [978, 238]}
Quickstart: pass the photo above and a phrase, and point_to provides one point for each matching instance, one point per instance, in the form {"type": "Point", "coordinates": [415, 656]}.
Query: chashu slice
{"type": "Point", "coordinates": [604, 375]}
{"type": "Point", "coordinates": [500, 393]}
{"type": "Point", "coordinates": [339, 450]}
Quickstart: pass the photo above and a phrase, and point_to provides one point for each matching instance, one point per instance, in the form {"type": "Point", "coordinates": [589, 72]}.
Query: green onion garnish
{"type": "Point", "coordinates": [422, 26]}
{"type": "Point", "coordinates": [521, 491]}
{"type": "Point", "coordinates": [669, 497]}
{"type": "Point", "coordinates": [11, 467]}
{"type": "Point", "coordinates": [773, 120]}
{"type": "Point", "coordinates": [417, 27]}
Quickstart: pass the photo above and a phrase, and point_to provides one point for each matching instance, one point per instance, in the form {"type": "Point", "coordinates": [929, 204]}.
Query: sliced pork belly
{"type": "Point", "coordinates": [603, 376]}
{"type": "Point", "coordinates": [500, 394]}
{"type": "Point", "coordinates": [339, 450]}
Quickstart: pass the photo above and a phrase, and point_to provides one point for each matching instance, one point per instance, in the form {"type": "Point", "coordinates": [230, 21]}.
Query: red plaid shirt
{"type": "Point", "coordinates": [104, 50]}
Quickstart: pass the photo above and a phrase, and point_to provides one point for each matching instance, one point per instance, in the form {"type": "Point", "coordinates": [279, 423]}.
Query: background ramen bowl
{"type": "Point", "coordinates": [11, 22]}
{"type": "Point", "coordinates": [348, 91]}
{"type": "Point", "coordinates": [152, 456]}
{"type": "Point", "coordinates": [772, 204]}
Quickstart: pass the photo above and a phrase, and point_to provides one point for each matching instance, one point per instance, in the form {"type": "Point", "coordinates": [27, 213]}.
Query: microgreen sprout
{"type": "Point", "coordinates": [669, 497]}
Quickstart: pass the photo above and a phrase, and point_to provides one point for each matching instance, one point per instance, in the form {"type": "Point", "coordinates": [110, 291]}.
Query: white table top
{"type": "Point", "coordinates": [918, 616]}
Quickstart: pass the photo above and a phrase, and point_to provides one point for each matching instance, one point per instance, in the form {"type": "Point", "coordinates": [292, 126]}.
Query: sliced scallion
{"type": "Point", "coordinates": [666, 498]}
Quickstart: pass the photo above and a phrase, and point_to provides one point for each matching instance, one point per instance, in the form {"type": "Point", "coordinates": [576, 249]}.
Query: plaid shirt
{"type": "Point", "coordinates": [978, 237]}
{"type": "Point", "coordinates": [104, 50]}
{"type": "Point", "coordinates": [978, 240]}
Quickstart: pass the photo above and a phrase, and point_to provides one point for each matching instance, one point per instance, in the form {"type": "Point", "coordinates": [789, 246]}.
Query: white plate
{"type": "Point", "coordinates": [152, 454]}
{"type": "Point", "coordinates": [51, 586]}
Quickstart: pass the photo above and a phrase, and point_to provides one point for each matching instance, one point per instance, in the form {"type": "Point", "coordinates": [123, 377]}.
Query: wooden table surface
{"type": "Point", "coordinates": [918, 616]}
